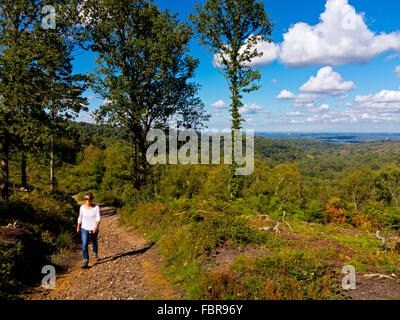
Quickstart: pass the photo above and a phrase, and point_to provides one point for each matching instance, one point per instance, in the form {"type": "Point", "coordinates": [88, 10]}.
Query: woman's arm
{"type": "Point", "coordinates": [96, 227]}
{"type": "Point", "coordinates": [78, 228]}
{"type": "Point", "coordinates": [97, 219]}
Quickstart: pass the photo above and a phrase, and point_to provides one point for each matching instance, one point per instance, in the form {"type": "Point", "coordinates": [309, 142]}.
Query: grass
{"type": "Point", "coordinates": [298, 265]}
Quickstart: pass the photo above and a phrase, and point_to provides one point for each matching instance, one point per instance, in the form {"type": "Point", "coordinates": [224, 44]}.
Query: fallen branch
{"type": "Point", "coordinates": [376, 275]}
{"type": "Point", "coordinates": [181, 213]}
{"type": "Point", "coordinates": [202, 211]}
{"type": "Point", "coordinates": [276, 228]}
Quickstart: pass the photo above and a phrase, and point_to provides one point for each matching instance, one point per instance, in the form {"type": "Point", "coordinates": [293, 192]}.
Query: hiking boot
{"type": "Point", "coordinates": [85, 263]}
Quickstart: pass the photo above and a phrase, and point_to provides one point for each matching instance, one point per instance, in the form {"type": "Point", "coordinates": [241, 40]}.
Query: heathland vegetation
{"type": "Point", "coordinates": [283, 232]}
{"type": "Point", "coordinates": [308, 209]}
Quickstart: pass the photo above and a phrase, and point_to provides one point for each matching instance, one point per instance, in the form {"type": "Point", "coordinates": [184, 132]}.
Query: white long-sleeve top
{"type": "Point", "coordinates": [89, 217]}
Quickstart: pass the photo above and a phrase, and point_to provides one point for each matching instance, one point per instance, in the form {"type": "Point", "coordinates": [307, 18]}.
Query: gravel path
{"type": "Point", "coordinates": [129, 269]}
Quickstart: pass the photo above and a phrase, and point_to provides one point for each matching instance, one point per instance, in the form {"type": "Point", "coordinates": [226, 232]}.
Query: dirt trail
{"type": "Point", "coordinates": [129, 269]}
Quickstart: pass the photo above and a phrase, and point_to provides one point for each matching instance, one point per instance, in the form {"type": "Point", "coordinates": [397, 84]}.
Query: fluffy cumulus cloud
{"type": "Point", "coordinates": [385, 96]}
{"type": "Point", "coordinates": [327, 82]}
{"type": "Point", "coordinates": [285, 94]}
{"type": "Point", "coordinates": [383, 101]}
{"type": "Point", "coordinates": [340, 37]}
{"type": "Point", "coordinates": [220, 104]}
{"type": "Point", "coordinates": [322, 108]}
{"type": "Point", "coordinates": [269, 52]}
{"type": "Point", "coordinates": [250, 108]}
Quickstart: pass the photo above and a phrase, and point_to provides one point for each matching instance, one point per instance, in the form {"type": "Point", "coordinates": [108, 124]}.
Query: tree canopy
{"type": "Point", "coordinates": [143, 69]}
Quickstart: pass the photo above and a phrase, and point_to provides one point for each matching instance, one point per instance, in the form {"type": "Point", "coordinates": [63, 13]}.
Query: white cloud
{"type": "Point", "coordinates": [85, 117]}
{"type": "Point", "coordinates": [294, 114]}
{"type": "Point", "coordinates": [270, 52]}
{"type": "Point", "coordinates": [385, 96]}
{"type": "Point", "coordinates": [267, 114]}
{"type": "Point", "coordinates": [327, 82]}
{"type": "Point", "coordinates": [220, 104]}
{"type": "Point", "coordinates": [285, 94]}
{"type": "Point", "coordinates": [385, 101]}
{"type": "Point", "coordinates": [322, 108]}
{"type": "Point", "coordinates": [352, 116]}
{"type": "Point", "coordinates": [249, 108]}
{"type": "Point", "coordinates": [274, 80]}
{"type": "Point", "coordinates": [397, 71]}
{"type": "Point", "coordinates": [107, 101]}
{"type": "Point", "coordinates": [306, 100]}
{"type": "Point", "coordinates": [340, 37]}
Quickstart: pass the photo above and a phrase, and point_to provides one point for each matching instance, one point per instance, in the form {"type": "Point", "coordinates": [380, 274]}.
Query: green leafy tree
{"type": "Point", "coordinates": [387, 185]}
{"type": "Point", "coordinates": [33, 62]}
{"type": "Point", "coordinates": [143, 71]}
{"type": "Point", "coordinates": [356, 185]}
{"type": "Point", "coordinates": [64, 89]}
{"type": "Point", "coordinates": [17, 51]}
{"type": "Point", "coordinates": [284, 182]}
{"type": "Point", "coordinates": [230, 29]}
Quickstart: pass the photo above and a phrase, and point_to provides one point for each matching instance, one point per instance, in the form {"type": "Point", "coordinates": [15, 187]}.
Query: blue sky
{"type": "Point", "coordinates": [334, 66]}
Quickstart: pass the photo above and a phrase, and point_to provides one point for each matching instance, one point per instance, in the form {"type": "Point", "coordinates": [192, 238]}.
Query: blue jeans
{"type": "Point", "coordinates": [86, 235]}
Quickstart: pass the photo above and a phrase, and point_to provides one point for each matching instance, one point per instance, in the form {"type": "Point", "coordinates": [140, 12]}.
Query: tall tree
{"type": "Point", "coordinates": [230, 29]}
{"type": "Point", "coordinates": [63, 100]}
{"type": "Point", "coordinates": [17, 71]}
{"type": "Point", "coordinates": [35, 74]}
{"type": "Point", "coordinates": [143, 70]}
{"type": "Point", "coordinates": [387, 185]}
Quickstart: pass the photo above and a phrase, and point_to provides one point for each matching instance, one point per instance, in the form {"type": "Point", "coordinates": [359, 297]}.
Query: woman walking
{"type": "Point", "coordinates": [88, 226]}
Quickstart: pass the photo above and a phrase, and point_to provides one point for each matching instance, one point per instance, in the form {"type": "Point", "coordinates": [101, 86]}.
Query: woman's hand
{"type": "Point", "coordinates": [95, 229]}
{"type": "Point", "coordinates": [78, 229]}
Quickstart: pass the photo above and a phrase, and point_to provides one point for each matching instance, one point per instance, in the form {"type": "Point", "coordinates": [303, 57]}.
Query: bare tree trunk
{"type": "Point", "coordinates": [23, 171]}
{"type": "Point", "coordinates": [52, 164]}
{"type": "Point", "coordinates": [4, 185]}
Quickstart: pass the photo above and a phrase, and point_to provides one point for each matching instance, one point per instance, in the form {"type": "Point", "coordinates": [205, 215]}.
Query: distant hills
{"type": "Point", "coordinates": [332, 137]}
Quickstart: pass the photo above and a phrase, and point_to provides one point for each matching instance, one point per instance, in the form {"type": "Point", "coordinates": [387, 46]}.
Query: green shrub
{"type": "Point", "coordinates": [315, 212]}
{"type": "Point", "coordinates": [285, 275]}
{"type": "Point", "coordinates": [10, 257]}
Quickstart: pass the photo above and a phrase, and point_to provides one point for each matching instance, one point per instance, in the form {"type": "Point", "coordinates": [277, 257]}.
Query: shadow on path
{"type": "Point", "coordinates": [125, 254]}
{"type": "Point", "coordinates": [107, 212]}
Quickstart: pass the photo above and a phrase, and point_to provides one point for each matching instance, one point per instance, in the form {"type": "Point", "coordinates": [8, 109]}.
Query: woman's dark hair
{"type": "Point", "coordinates": [88, 194]}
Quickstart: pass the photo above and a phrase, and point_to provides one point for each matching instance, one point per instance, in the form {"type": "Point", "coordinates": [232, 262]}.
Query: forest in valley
{"type": "Point", "coordinates": [286, 230]}
{"type": "Point", "coordinates": [327, 199]}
